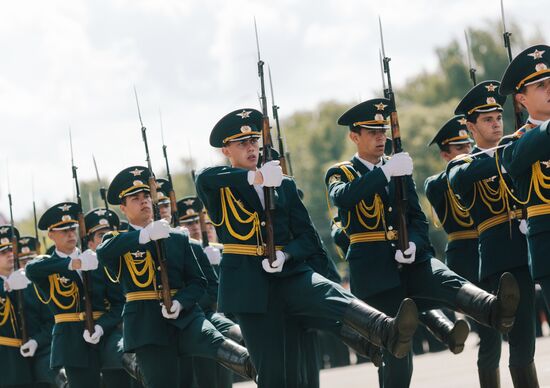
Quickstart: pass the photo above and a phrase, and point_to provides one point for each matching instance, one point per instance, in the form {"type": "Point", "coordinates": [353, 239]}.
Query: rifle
{"type": "Point", "coordinates": [102, 189]}
{"type": "Point", "coordinates": [171, 194]}
{"type": "Point", "coordinates": [86, 282]}
{"type": "Point", "coordinates": [284, 156]}
{"type": "Point", "coordinates": [469, 51]}
{"type": "Point", "coordinates": [400, 186]}
{"type": "Point", "coordinates": [19, 293]}
{"type": "Point", "coordinates": [38, 245]}
{"type": "Point", "coordinates": [159, 244]}
{"type": "Point", "coordinates": [506, 37]}
{"type": "Point", "coordinates": [267, 156]}
{"type": "Point", "coordinates": [202, 221]}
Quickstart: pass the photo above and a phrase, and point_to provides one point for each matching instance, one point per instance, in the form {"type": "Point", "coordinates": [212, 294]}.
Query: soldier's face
{"type": "Point", "coordinates": [194, 229]}
{"type": "Point", "coordinates": [536, 99]}
{"type": "Point", "coordinates": [138, 208]}
{"type": "Point", "coordinates": [64, 240]}
{"type": "Point", "coordinates": [370, 143]}
{"type": "Point", "coordinates": [211, 231]}
{"type": "Point", "coordinates": [488, 128]}
{"type": "Point", "coordinates": [6, 261]}
{"type": "Point", "coordinates": [243, 154]}
{"type": "Point", "coordinates": [165, 211]}
{"type": "Point", "coordinates": [96, 238]}
{"type": "Point", "coordinates": [455, 150]}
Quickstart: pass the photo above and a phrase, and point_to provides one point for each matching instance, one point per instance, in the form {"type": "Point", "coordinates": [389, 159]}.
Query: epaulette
{"type": "Point", "coordinates": [344, 163]}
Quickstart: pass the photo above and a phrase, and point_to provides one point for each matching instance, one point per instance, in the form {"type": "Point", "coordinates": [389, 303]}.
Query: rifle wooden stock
{"type": "Point", "coordinates": [86, 283]}
{"type": "Point", "coordinates": [269, 194]}
{"type": "Point", "coordinates": [174, 208]}
{"type": "Point", "coordinates": [22, 322]}
{"type": "Point", "coordinates": [204, 233]}
{"type": "Point", "coordinates": [159, 249]}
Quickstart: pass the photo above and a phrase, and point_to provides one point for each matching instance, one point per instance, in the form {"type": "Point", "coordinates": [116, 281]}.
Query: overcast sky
{"type": "Point", "coordinates": [74, 63]}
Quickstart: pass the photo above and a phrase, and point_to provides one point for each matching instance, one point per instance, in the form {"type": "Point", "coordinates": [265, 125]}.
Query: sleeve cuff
{"type": "Point", "coordinates": [251, 177]}
{"type": "Point", "coordinates": [143, 237]}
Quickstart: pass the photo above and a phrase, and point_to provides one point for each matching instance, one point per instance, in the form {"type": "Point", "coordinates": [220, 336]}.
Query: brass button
{"type": "Point", "coordinates": [391, 235]}
{"type": "Point", "coordinates": [260, 250]}
{"type": "Point", "coordinates": [262, 223]}
{"type": "Point", "coordinates": [390, 227]}
{"type": "Point", "coordinates": [390, 209]}
{"type": "Point", "coordinates": [81, 316]}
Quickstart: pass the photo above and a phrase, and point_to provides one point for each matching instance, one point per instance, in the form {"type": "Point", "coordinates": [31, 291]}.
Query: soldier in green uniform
{"type": "Point", "coordinates": [461, 253]}
{"type": "Point", "coordinates": [16, 369]}
{"type": "Point", "coordinates": [364, 192]}
{"type": "Point", "coordinates": [98, 222]}
{"type": "Point", "coordinates": [40, 321]}
{"type": "Point", "coordinates": [59, 280]}
{"type": "Point", "coordinates": [480, 185]}
{"type": "Point", "coordinates": [526, 155]}
{"type": "Point", "coordinates": [262, 294]}
{"type": "Point", "coordinates": [156, 334]}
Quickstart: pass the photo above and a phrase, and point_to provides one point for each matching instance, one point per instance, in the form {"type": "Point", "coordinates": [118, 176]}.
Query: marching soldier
{"type": "Point", "coordinates": [157, 334]}
{"type": "Point", "coordinates": [364, 192]}
{"type": "Point", "coordinates": [526, 155]}
{"type": "Point", "coordinates": [263, 294]}
{"type": "Point", "coordinates": [461, 254]}
{"type": "Point", "coordinates": [480, 185]}
{"type": "Point", "coordinates": [16, 369]}
{"type": "Point", "coordinates": [59, 280]}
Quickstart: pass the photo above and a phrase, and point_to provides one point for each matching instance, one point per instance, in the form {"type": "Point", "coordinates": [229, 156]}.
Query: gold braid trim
{"type": "Point", "coordinates": [58, 288]}
{"type": "Point", "coordinates": [147, 268]}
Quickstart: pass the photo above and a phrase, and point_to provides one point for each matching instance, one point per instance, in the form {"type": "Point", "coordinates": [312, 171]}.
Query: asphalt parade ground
{"type": "Point", "coordinates": [431, 370]}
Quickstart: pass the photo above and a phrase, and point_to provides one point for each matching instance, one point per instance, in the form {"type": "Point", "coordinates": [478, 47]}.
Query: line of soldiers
{"type": "Point", "coordinates": [168, 308]}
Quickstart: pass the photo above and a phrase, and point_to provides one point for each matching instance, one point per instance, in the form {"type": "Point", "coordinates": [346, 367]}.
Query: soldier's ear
{"type": "Point", "coordinates": [521, 98]}
{"type": "Point", "coordinates": [354, 136]}
{"type": "Point", "coordinates": [226, 152]}
{"type": "Point", "coordinates": [471, 127]}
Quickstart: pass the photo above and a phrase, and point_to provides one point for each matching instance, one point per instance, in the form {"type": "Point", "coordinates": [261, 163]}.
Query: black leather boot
{"type": "Point", "coordinates": [451, 334]}
{"type": "Point", "coordinates": [235, 334]}
{"type": "Point", "coordinates": [393, 334]}
{"type": "Point", "coordinates": [524, 376]}
{"type": "Point", "coordinates": [497, 312]}
{"type": "Point", "coordinates": [489, 378]}
{"type": "Point", "coordinates": [130, 365]}
{"type": "Point", "coordinates": [61, 380]}
{"type": "Point", "coordinates": [360, 345]}
{"type": "Point", "coordinates": [236, 358]}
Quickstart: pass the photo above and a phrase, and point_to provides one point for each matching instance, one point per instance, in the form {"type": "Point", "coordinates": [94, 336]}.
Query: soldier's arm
{"type": "Point", "coordinates": [114, 296]}
{"type": "Point", "coordinates": [114, 245]}
{"type": "Point", "coordinates": [463, 174]}
{"type": "Point", "coordinates": [210, 297]}
{"type": "Point", "coordinates": [39, 318]}
{"type": "Point", "coordinates": [38, 269]}
{"type": "Point", "coordinates": [533, 146]}
{"type": "Point", "coordinates": [304, 240]}
{"type": "Point", "coordinates": [435, 190]}
{"type": "Point", "coordinates": [193, 278]}
{"type": "Point", "coordinates": [346, 194]}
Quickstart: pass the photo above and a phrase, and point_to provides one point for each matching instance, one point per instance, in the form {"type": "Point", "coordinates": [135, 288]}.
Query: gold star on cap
{"type": "Point", "coordinates": [380, 106]}
{"type": "Point", "coordinates": [189, 202]}
{"type": "Point", "coordinates": [100, 212]}
{"type": "Point", "coordinates": [462, 121]}
{"type": "Point", "coordinates": [24, 241]}
{"type": "Point", "coordinates": [491, 87]}
{"type": "Point", "coordinates": [65, 207]}
{"type": "Point", "coordinates": [4, 230]}
{"type": "Point", "coordinates": [537, 54]}
{"type": "Point", "coordinates": [136, 172]}
{"type": "Point", "coordinates": [244, 114]}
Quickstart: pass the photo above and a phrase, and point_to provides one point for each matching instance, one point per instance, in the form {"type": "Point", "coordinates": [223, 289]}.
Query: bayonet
{"type": "Point", "coordinates": [284, 156]}
{"type": "Point", "coordinates": [470, 64]}
{"type": "Point", "coordinates": [171, 193]}
{"type": "Point", "coordinates": [102, 190]}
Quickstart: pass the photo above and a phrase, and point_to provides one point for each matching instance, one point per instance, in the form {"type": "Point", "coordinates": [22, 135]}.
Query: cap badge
{"type": "Point", "coordinates": [536, 54]}
{"type": "Point", "coordinates": [189, 212]}
{"type": "Point", "coordinates": [189, 202]}
{"type": "Point", "coordinates": [24, 241]}
{"type": "Point", "coordinates": [379, 117]}
{"type": "Point", "coordinates": [66, 217]}
{"type": "Point", "coordinates": [101, 212]}
{"type": "Point", "coordinates": [4, 240]}
{"type": "Point", "coordinates": [137, 183]}
{"type": "Point", "coordinates": [380, 106]}
{"type": "Point", "coordinates": [65, 207]}
{"type": "Point", "coordinates": [463, 133]}
{"type": "Point", "coordinates": [246, 129]}
{"type": "Point", "coordinates": [541, 67]}
{"type": "Point", "coordinates": [136, 172]}
{"type": "Point", "coordinates": [244, 114]}
{"type": "Point", "coordinates": [491, 100]}
{"type": "Point", "coordinates": [491, 87]}
{"type": "Point", "coordinates": [25, 250]}
{"type": "Point", "coordinates": [103, 221]}
{"type": "Point", "coordinates": [462, 121]}
{"type": "Point", "coordinates": [4, 229]}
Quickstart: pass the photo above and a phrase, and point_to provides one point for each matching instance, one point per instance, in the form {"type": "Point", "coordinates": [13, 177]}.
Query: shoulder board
{"type": "Point", "coordinates": [344, 163]}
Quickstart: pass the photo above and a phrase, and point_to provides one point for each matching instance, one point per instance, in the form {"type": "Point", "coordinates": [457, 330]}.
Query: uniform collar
{"type": "Point", "coordinates": [64, 255]}
{"type": "Point", "coordinates": [489, 152]}
{"type": "Point", "coordinates": [135, 226]}
{"type": "Point", "coordinates": [533, 121]}
{"type": "Point", "coordinates": [368, 164]}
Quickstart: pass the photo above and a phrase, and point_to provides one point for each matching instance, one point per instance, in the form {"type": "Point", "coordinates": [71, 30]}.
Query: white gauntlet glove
{"type": "Point", "coordinates": [272, 174]}
{"type": "Point", "coordinates": [400, 164]}
{"type": "Point", "coordinates": [17, 280]}
{"type": "Point", "coordinates": [94, 338]}
{"type": "Point", "coordinates": [174, 310]}
{"type": "Point", "coordinates": [214, 255]}
{"type": "Point", "coordinates": [28, 348]}
{"type": "Point", "coordinates": [88, 260]}
{"type": "Point", "coordinates": [523, 226]}
{"type": "Point", "coordinates": [408, 256]}
{"type": "Point", "coordinates": [156, 230]}
{"type": "Point", "coordinates": [277, 265]}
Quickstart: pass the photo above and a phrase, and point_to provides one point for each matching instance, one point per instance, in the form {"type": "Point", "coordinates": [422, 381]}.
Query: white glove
{"type": "Point", "coordinates": [28, 348]}
{"type": "Point", "coordinates": [94, 338]}
{"type": "Point", "coordinates": [523, 226]}
{"type": "Point", "coordinates": [17, 280]}
{"type": "Point", "coordinates": [174, 310]}
{"type": "Point", "coordinates": [410, 253]}
{"type": "Point", "coordinates": [277, 265]}
{"type": "Point", "coordinates": [214, 255]}
{"type": "Point", "coordinates": [272, 174]}
{"type": "Point", "coordinates": [156, 230]}
{"type": "Point", "coordinates": [400, 164]}
{"type": "Point", "coordinates": [88, 260]}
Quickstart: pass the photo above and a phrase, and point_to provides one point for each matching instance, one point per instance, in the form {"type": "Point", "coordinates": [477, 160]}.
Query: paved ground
{"type": "Point", "coordinates": [436, 370]}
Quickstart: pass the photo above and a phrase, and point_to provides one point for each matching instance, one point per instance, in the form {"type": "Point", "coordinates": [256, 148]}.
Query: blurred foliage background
{"type": "Point", "coordinates": [424, 103]}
